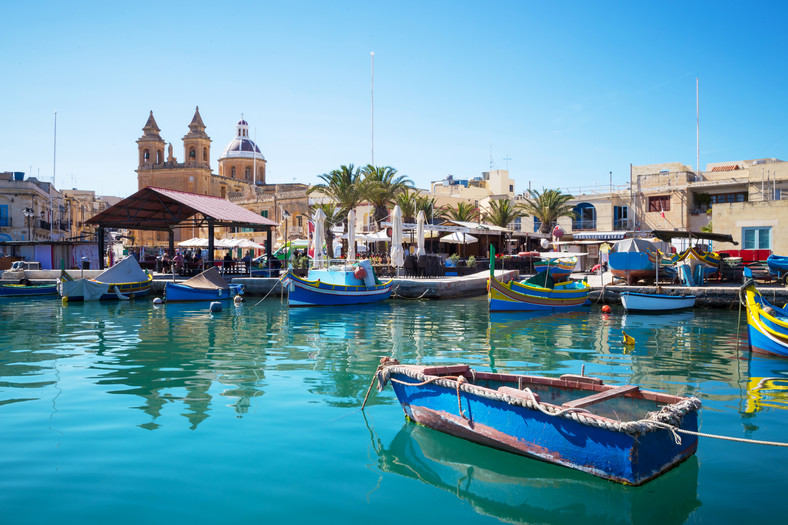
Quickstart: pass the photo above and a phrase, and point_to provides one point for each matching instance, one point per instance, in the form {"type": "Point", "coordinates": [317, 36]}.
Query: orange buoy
{"type": "Point", "coordinates": [606, 309]}
{"type": "Point", "coordinates": [360, 273]}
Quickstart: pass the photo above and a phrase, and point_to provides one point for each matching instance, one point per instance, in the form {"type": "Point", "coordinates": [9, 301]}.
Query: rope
{"type": "Point", "coordinates": [716, 436]}
{"type": "Point", "coordinates": [269, 292]}
{"type": "Point", "coordinates": [395, 294]}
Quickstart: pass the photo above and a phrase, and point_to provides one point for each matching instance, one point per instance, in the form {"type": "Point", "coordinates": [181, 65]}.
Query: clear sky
{"type": "Point", "coordinates": [559, 92]}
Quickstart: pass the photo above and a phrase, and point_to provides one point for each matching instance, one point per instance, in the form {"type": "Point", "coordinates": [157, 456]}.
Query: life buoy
{"type": "Point", "coordinates": [360, 272]}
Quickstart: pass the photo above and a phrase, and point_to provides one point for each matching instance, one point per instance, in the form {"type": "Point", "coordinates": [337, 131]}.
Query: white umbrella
{"type": "Point", "coordinates": [247, 243]}
{"type": "Point", "coordinates": [420, 220]}
{"type": "Point", "coordinates": [317, 238]}
{"type": "Point", "coordinates": [189, 243]}
{"type": "Point", "coordinates": [378, 236]}
{"type": "Point", "coordinates": [397, 253]}
{"type": "Point", "coordinates": [459, 238]}
{"type": "Point", "coordinates": [351, 235]}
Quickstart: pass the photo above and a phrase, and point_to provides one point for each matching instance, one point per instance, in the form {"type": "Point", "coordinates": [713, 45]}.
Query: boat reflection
{"type": "Point", "coordinates": [521, 490]}
{"type": "Point", "coordinates": [767, 386]}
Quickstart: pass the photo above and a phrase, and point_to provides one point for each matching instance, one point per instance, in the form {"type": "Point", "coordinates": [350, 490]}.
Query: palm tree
{"type": "Point", "coordinates": [334, 216]}
{"type": "Point", "coordinates": [407, 203]}
{"type": "Point", "coordinates": [501, 213]}
{"type": "Point", "coordinates": [462, 211]}
{"type": "Point", "coordinates": [344, 186]}
{"type": "Point", "coordinates": [547, 207]}
{"type": "Point", "coordinates": [382, 186]}
{"type": "Point", "coordinates": [425, 204]}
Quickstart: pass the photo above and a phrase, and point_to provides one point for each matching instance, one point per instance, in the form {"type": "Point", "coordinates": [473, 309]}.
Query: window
{"type": "Point", "coordinates": [205, 154]}
{"type": "Point", "coordinates": [620, 217]}
{"type": "Point", "coordinates": [537, 224]}
{"type": "Point", "coordinates": [232, 172]}
{"type": "Point", "coordinates": [264, 213]}
{"type": "Point", "coordinates": [146, 156]}
{"type": "Point", "coordinates": [757, 238]}
{"type": "Point", "coordinates": [248, 173]}
{"type": "Point", "coordinates": [515, 224]}
{"type": "Point", "coordinates": [728, 197]}
{"type": "Point", "coordinates": [300, 220]}
{"type": "Point", "coordinates": [4, 220]}
{"type": "Point", "coordinates": [659, 203]}
{"type": "Point", "coordinates": [192, 154]}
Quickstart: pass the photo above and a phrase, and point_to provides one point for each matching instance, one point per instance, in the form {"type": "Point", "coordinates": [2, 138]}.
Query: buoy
{"type": "Point", "coordinates": [360, 273]}
{"type": "Point", "coordinates": [216, 306]}
{"type": "Point", "coordinates": [628, 339]}
{"type": "Point", "coordinates": [238, 299]}
{"type": "Point", "coordinates": [157, 300]}
{"type": "Point", "coordinates": [64, 300]}
{"type": "Point", "coordinates": [606, 309]}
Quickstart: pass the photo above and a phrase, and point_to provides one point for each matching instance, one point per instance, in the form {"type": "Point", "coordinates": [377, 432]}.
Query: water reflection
{"type": "Point", "coordinates": [767, 385]}
{"type": "Point", "coordinates": [521, 490]}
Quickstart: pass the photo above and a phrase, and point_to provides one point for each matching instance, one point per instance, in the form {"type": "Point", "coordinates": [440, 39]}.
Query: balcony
{"type": "Point", "coordinates": [621, 225]}
{"type": "Point", "coordinates": [584, 225]}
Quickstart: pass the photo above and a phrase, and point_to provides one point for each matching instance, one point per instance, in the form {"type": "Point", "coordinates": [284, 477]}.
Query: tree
{"type": "Point", "coordinates": [462, 211]}
{"type": "Point", "coordinates": [547, 207]}
{"type": "Point", "coordinates": [344, 186]}
{"type": "Point", "coordinates": [407, 203]}
{"type": "Point", "coordinates": [427, 205]}
{"type": "Point", "coordinates": [382, 185]}
{"type": "Point", "coordinates": [501, 213]}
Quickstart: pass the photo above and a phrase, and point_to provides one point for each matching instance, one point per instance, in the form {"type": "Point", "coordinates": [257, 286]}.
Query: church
{"type": "Point", "coordinates": [241, 178]}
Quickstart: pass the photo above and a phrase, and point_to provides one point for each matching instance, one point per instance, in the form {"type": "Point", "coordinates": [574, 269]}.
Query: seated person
{"type": "Point", "coordinates": [178, 262]}
{"type": "Point", "coordinates": [197, 259]}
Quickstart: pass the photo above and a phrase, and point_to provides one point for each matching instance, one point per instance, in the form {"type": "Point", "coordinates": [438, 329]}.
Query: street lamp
{"type": "Point", "coordinates": [286, 214]}
{"type": "Point", "coordinates": [29, 213]}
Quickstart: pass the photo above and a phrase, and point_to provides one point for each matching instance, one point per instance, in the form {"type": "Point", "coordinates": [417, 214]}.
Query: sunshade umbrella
{"type": "Point", "coordinates": [459, 238]}
{"type": "Point", "coordinates": [317, 238]}
{"type": "Point", "coordinates": [397, 253]}
{"type": "Point", "coordinates": [420, 220]}
{"type": "Point", "coordinates": [378, 236]}
{"type": "Point", "coordinates": [191, 243]}
{"type": "Point", "coordinates": [351, 235]}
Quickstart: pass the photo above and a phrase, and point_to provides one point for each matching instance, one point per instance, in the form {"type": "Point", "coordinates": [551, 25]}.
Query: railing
{"type": "Point", "coordinates": [621, 224]}
{"type": "Point", "coordinates": [584, 225]}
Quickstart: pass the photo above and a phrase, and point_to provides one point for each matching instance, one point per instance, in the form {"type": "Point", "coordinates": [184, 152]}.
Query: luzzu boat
{"type": "Point", "coordinates": [24, 290]}
{"type": "Point", "coordinates": [620, 433]}
{"type": "Point", "coordinates": [778, 267]}
{"type": "Point", "coordinates": [125, 280]}
{"type": "Point", "coordinates": [207, 286]}
{"type": "Point", "coordinates": [767, 325]}
{"type": "Point", "coordinates": [560, 268]}
{"type": "Point", "coordinates": [537, 293]}
{"type": "Point", "coordinates": [336, 285]}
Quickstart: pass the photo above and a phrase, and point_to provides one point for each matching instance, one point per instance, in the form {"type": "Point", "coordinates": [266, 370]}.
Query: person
{"type": "Point", "coordinates": [228, 260]}
{"type": "Point", "coordinates": [178, 261]}
{"type": "Point", "coordinates": [197, 258]}
{"type": "Point", "coordinates": [166, 262]}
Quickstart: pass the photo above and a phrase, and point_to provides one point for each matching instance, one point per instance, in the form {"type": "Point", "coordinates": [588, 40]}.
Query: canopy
{"type": "Point", "coordinates": [634, 245]}
{"type": "Point", "coordinates": [459, 238]}
{"type": "Point", "coordinates": [126, 271]}
{"type": "Point", "coordinates": [378, 236]}
{"type": "Point", "coordinates": [667, 235]}
{"type": "Point", "coordinates": [203, 243]}
{"type": "Point", "coordinates": [210, 279]}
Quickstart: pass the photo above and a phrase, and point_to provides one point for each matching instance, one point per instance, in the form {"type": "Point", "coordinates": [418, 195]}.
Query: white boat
{"type": "Point", "coordinates": [645, 302]}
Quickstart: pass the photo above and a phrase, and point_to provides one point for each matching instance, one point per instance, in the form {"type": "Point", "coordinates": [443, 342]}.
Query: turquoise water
{"type": "Point", "coordinates": [130, 413]}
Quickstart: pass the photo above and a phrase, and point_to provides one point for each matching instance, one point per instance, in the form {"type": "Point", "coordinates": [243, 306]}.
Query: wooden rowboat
{"type": "Point", "coordinates": [620, 433]}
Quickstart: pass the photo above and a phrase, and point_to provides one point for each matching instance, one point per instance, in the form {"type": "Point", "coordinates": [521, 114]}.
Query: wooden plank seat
{"type": "Point", "coordinates": [601, 396]}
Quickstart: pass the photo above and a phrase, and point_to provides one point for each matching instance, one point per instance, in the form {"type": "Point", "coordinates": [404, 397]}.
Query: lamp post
{"type": "Point", "coordinates": [286, 214]}
{"type": "Point", "coordinates": [28, 213]}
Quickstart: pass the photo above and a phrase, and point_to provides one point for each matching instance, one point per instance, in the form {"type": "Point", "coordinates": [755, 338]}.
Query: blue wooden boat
{"type": "Point", "coordinates": [24, 290]}
{"type": "Point", "coordinates": [560, 268]}
{"type": "Point", "coordinates": [336, 285]}
{"type": "Point", "coordinates": [536, 293]}
{"type": "Point", "coordinates": [767, 324]}
{"type": "Point", "coordinates": [207, 286]}
{"type": "Point", "coordinates": [655, 302]}
{"type": "Point", "coordinates": [778, 267]}
{"type": "Point", "coordinates": [620, 433]}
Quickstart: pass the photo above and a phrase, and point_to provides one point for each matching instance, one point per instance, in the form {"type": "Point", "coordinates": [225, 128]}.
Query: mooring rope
{"type": "Point", "coordinates": [716, 436]}
{"type": "Point", "coordinates": [269, 291]}
{"type": "Point", "coordinates": [395, 294]}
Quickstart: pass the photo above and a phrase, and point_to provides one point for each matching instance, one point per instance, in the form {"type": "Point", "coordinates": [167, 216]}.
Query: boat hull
{"type": "Point", "coordinates": [303, 292]}
{"type": "Point", "coordinates": [632, 266]}
{"type": "Point", "coordinates": [767, 332]}
{"type": "Point", "coordinates": [175, 292]}
{"type": "Point", "coordinates": [518, 297]}
{"type": "Point", "coordinates": [642, 302]}
{"type": "Point", "coordinates": [20, 290]}
{"type": "Point", "coordinates": [496, 422]}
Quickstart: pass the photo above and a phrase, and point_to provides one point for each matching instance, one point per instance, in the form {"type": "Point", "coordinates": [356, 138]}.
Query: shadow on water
{"type": "Point", "coordinates": [522, 490]}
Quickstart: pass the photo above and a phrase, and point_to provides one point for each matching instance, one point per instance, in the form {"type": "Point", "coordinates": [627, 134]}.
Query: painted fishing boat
{"type": "Point", "coordinates": [655, 302]}
{"type": "Point", "coordinates": [207, 286]}
{"type": "Point", "coordinates": [620, 433]}
{"type": "Point", "coordinates": [24, 290]}
{"type": "Point", "coordinates": [336, 285]}
{"type": "Point", "coordinates": [125, 280]}
{"type": "Point", "coordinates": [537, 293]}
{"type": "Point", "coordinates": [767, 324]}
{"type": "Point", "coordinates": [778, 267]}
{"type": "Point", "coordinates": [633, 260]}
{"type": "Point", "coordinates": [560, 268]}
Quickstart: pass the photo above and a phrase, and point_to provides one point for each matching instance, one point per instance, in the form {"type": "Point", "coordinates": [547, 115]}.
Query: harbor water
{"type": "Point", "coordinates": [127, 412]}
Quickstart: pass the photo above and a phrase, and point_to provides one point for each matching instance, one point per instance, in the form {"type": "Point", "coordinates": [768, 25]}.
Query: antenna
{"type": "Point", "coordinates": [54, 150]}
{"type": "Point", "coordinates": [507, 159]}
{"type": "Point", "coordinates": [697, 123]}
{"type": "Point", "coordinates": [492, 162]}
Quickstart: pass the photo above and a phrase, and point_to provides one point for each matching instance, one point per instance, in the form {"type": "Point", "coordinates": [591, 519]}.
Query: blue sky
{"type": "Point", "coordinates": [560, 92]}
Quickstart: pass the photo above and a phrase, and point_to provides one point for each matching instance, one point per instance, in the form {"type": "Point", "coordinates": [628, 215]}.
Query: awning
{"type": "Point", "coordinates": [667, 235]}
{"type": "Point", "coordinates": [604, 236]}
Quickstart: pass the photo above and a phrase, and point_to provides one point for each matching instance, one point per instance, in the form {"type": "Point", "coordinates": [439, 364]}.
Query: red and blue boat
{"type": "Point", "coordinates": [620, 433]}
{"type": "Point", "coordinates": [336, 285]}
{"type": "Point", "coordinates": [537, 293]}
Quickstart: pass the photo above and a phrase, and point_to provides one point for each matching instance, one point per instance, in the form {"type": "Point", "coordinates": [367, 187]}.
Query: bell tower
{"type": "Point", "coordinates": [150, 145]}
{"type": "Point", "coordinates": [196, 143]}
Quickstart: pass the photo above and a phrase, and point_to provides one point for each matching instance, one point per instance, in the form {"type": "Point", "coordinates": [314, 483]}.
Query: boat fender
{"type": "Point", "coordinates": [64, 300]}
{"type": "Point", "coordinates": [157, 300]}
{"type": "Point", "coordinates": [216, 306]}
{"type": "Point", "coordinates": [238, 299]}
{"type": "Point", "coordinates": [359, 273]}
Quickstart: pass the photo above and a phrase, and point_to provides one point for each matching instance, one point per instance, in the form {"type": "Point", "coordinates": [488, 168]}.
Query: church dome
{"type": "Point", "coordinates": [242, 146]}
